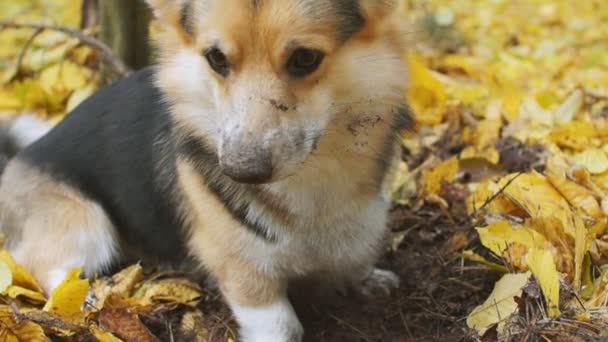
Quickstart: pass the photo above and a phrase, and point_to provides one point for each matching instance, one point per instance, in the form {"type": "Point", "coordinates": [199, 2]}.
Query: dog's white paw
{"type": "Point", "coordinates": [273, 323]}
{"type": "Point", "coordinates": [378, 283]}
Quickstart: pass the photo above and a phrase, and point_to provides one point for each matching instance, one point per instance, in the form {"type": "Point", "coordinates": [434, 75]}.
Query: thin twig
{"type": "Point", "coordinates": [491, 199]}
{"type": "Point", "coordinates": [25, 48]}
{"type": "Point", "coordinates": [106, 52]}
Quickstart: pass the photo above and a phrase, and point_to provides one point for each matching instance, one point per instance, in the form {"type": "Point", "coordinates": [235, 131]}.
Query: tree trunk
{"type": "Point", "coordinates": [124, 28]}
{"type": "Point", "coordinates": [88, 14]}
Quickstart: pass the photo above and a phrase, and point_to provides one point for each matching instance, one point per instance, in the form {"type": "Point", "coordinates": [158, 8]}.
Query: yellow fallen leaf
{"type": "Point", "coordinates": [547, 98]}
{"type": "Point", "coordinates": [534, 194]}
{"type": "Point", "coordinates": [500, 235]}
{"type": "Point", "coordinates": [425, 92]}
{"type": "Point", "coordinates": [575, 135]}
{"type": "Point", "coordinates": [567, 110]}
{"type": "Point", "coordinates": [67, 299]}
{"type": "Point", "coordinates": [9, 100]}
{"type": "Point", "coordinates": [467, 94]}
{"type": "Point", "coordinates": [601, 180]}
{"type": "Point", "coordinates": [33, 96]}
{"type": "Point", "coordinates": [15, 292]}
{"type": "Point", "coordinates": [404, 187]}
{"type": "Point", "coordinates": [79, 96]}
{"type": "Point", "coordinates": [102, 335]}
{"type": "Point", "coordinates": [587, 281]}
{"type": "Point", "coordinates": [594, 160]}
{"type": "Point", "coordinates": [487, 132]}
{"type": "Point", "coordinates": [73, 76]}
{"type": "Point", "coordinates": [469, 254]}
{"type": "Point", "coordinates": [578, 196]}
{"type": "Point", "coordinates": [21, 276]}
{"type": "Point", "coordinates": [499, 205]}
{"type": "Point", "coordinates": [582, 243]}
{"type": "Point", "coordinates": [532, 111]}
{"type": "Point", "coordinates": [446, 171]}
{"type": "Point", "coordinates": [489, 153]}
{"type": "Point", "coordinates": [50, 79]}
{"type": "Point", "coordinates": [560, 244]}
{"type": "Point", "coordinates": [459, 62]}
{"type": "Point", "coordinates": [541, 264]}
{"type": "Point", "coordinates": [6, 276]}
{"type": "Point", "coordinates": [511, 104]}
{"type": "Point", "coordinates": [181, 291]}
{"type": "Point", "coordinates": [500, 305]}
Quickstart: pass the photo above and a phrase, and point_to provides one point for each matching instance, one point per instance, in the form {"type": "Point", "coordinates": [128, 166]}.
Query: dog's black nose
{"type": "Point", "coordinates": [245, 161]}
{"type": "Point", "coordinates": [251, 166]}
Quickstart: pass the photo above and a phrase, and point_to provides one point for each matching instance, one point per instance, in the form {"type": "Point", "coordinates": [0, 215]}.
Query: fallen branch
{"type": "Point", "coordinates": [106, 52]}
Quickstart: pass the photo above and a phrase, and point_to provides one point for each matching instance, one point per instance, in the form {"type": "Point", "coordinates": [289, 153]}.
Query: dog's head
{"type": "Point", "coordinates": [261, 80]}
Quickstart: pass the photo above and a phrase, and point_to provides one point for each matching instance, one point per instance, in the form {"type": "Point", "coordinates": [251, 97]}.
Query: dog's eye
{"type": "Point", "coordinates": [218, 61]}
{"type": "Point", "coordinates": [304, 62]}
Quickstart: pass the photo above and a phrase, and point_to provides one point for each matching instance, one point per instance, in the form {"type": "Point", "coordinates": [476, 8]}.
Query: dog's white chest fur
{"type": "Point", "coordinates": [332, 233]}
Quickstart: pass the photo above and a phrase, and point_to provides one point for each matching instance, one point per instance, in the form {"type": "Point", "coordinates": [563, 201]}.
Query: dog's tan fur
{"type": "Point", "coordinates": [326, 205]}
{"type": "Point", "coordinates": [56, 224]}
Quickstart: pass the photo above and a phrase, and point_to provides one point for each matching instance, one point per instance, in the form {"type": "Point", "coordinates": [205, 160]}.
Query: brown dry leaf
{"type": "Point", "coordinates": [457, 242]}
{"type": "Point", "coordinates": [67, 299]}
{"type": "Point", "coordinates": [125, 324]}
{"type": "Point", "coordinates": [12, 330]}
{"type": "Point", "coordinates": [122, 283]}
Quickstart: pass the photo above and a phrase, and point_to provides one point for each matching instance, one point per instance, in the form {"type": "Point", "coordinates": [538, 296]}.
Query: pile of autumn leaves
{"type": "Point", "coordinates": [108, 309]}
{"type": "Point", "coordinates": [529, 85]}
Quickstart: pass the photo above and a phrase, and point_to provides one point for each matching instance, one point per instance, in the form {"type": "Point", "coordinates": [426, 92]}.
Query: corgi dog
{"type": "Point", "coordinates": [262, 145]}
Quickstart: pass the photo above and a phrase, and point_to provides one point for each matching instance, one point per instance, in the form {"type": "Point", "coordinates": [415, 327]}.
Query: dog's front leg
{"type": "Point", "coordinates": [260, 305]}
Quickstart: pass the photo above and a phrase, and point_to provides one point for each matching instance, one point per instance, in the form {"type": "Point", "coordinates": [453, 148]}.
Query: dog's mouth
{"type": "Point", "coordinates": [249, 177]}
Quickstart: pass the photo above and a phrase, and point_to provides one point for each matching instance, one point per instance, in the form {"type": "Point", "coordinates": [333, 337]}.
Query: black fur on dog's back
{"type": "Point", "coordinates": [117, 149]}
